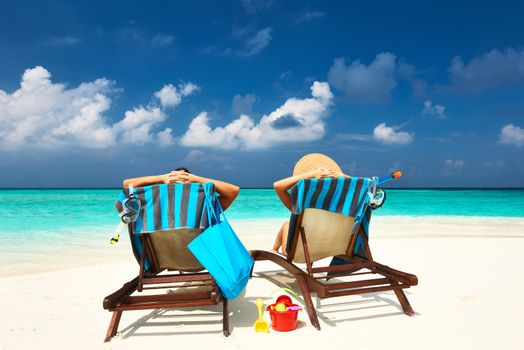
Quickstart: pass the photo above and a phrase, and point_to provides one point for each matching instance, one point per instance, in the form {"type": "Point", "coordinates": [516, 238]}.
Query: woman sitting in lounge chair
{"type": "Point", "coordinates": [228, 192]}
{"type": "Point", "coordinates": [314, 165]}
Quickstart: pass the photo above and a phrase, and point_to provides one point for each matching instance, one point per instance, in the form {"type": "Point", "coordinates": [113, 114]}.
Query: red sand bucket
{"type": "Point", "coordinates": [283, 321]}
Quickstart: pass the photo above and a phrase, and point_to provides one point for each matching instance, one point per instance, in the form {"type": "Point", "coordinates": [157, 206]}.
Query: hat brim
{"type": "Point", "coordinates": [315, 160]}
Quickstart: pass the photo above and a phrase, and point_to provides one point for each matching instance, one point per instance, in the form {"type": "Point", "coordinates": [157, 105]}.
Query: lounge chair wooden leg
{"type": "Point", "coordinates": [225, 318]}
{"type": "Point", "coordinates": [113, 325]}
{"type": "Point", "coordinates": [309, 303]}
{"type": "Point", "coordinates": [404, 302]}
{"type": "Point", "coordinates": [251, 271]}
{"type": "Point", "coordinates": [142, 265]}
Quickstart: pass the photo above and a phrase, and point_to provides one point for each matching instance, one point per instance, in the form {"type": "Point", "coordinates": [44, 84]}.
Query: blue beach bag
{"type": "Point", "coordinates": [220, 251]}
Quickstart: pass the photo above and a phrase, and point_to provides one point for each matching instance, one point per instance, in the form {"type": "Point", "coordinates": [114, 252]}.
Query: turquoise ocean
{"type": "Point", "coordinates": [41, 216]}
{"type": "Point", "coordinates": [37, 222]}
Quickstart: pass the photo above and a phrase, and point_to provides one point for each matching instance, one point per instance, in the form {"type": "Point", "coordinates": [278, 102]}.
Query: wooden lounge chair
{"type": "Point", "coordinates": [170, 217]}
{"type": "Point", "coordinates": [330, 219]}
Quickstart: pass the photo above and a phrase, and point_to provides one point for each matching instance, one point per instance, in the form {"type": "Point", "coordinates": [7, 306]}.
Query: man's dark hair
{"type": "Point", "coordinates": [184, 169]}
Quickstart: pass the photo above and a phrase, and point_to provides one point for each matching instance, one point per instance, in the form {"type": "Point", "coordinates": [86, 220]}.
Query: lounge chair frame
{"type": "Point", "coordinates": [311, 280]}
{"type": "Point", "coordinates": [124, 300]}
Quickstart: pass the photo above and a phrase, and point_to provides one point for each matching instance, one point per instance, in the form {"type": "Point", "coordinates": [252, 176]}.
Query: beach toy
{"type": "Point", "coordinates": [284, 314]}
{"type": "Point", "coordinates": [260, 324]}
{"type": "Point", "coordinates": [287, 290]}
{"type": "Point", "coordinates": [281, 307]}
{"type": "Point", "coordinates": [283, 300]}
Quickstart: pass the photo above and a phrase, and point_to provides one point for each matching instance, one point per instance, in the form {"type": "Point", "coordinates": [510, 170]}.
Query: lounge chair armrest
{"type": "Point", "coordinates": [127, 289]}
{"type": "Point", "coordinates": [404, 277]}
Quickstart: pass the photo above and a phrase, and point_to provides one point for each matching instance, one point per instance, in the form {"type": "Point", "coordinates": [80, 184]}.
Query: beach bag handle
{"type": "Point", "coordinates": [208, 202]}
{"type": "Point", "coordinates": [221, 252]}
{"type": "Point", "coordinates": [214, 211]}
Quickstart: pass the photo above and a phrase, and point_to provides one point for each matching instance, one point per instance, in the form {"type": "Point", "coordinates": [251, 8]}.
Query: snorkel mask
{"type": "Point", "coordinates": [130, 209]}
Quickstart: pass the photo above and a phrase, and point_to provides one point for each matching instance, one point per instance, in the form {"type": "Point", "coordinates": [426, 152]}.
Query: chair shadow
{"type": "Point", "coordinates": [179, 320]}
{"type": "Point", "coordinates": [163, 318]}
{"type": "Point", "coordinates": [283, 279]}
{"type": "Point", "coordinates": [243, 312]}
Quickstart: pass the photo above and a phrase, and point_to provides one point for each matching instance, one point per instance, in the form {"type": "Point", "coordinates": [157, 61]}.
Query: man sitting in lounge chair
{"type": "Point", "coordinates": [167, 220]}
{"type": "Point", "coordinates": [228, 192]}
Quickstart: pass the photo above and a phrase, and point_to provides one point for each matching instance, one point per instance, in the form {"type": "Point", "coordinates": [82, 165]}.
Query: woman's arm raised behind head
{"type": "Point", "coordinates": [282, 186]}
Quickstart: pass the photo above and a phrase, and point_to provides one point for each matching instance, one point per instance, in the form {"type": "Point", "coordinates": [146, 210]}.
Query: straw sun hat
{"type": "Point", "coordinates": [314, 160]}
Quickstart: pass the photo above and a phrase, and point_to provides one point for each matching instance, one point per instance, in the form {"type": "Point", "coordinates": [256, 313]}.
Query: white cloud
{"type": "Point", "coordinates": [63, 41]}
{"type": "Point", "coordinates": [353, 137]}
{"type": "Point", "coordinates": [188, 88]}
{"type": "Point", "coordinates": [137, 125]}
{"type": "Point", "coordinates": [308, 16]}
{"type": "Point", "coordinates": [243, 104]}
{"type": "Point", "coordinates": [390, 135]}
{"type": "Point", "coordinates": [454, 164]}
{"type": "Point", "coordinates": [419, 87]}
{"type": "Point", "coordinates": [45, 115]}
{"type": "Point", "coordinates": [132, 34]}
{"type": "Point", "coordinates": [252, 43]}
{"type": "Point", "coordinates": [240, 32]}
{"type": "Point", "coordinates": [227, 167]}
{"type": "Point", "coordinates": [492, 69]}
{"type": "Point", "coordinates": [162, 40]}
{"type": "Point", "coordinates": [512, 135]}
{"type": "Point", "coordinates": [195, 156]}
{"type": "Point", "coordinates": [285, 75]}
{"type": "Point", "coordinates": [396, 166]}
{"type": "Point", "coordinates": [229, 137]}
{"type": "Point", "coordinates": [409, 73]}
{"type": "Point", "coordinates": [456, 137]}
{"type": "Point", "coordinates": [255, 44]}
{"type": "Point", "coordinates": [493, 164]}
{"type": "Point", "coordinates": [170, 96]}
{"type": "Point", "coordinates": [295, 121]}
{"type": "Point", "coordinates": [452, 167]}
{"type": "Point", "coordinates": [256, 6]}
{"type": "Point", "coordinates": [201, 159]}
{"type": "Point", "coordinates": [371, 83]}
{"type": "Point", "coordinates": [165, 137]}
{"type": "Point", "coordinates": [433, 111]}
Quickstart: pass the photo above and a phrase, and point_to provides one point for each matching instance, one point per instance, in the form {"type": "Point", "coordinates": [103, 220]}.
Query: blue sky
{"type": "Point", "coordinates": [94, 92]}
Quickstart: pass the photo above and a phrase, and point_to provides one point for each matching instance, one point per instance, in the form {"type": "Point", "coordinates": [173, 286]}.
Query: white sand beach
{"type": "Point", "coordinates": [469, 297]}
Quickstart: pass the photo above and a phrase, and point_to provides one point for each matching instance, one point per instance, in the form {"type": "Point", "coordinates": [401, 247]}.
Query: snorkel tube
{"type": "Point", "coordinates": [376, 197]}
{"type": "Point", "coordinates": [395, 175]}
{"type": "Point", "coordinates": [130, 210]}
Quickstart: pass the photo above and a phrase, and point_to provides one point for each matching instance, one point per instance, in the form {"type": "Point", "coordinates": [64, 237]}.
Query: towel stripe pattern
{"type": "Point", "coordinates": [169, 206]}
{"type": "Point", "coordinates": [341, 195]}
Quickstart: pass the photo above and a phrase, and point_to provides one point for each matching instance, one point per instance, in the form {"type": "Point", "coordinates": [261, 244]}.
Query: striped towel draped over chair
{"type": "Point", "coordinates": [169, 206]}
{"type": "Point", "coordinates": [346, 196]}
